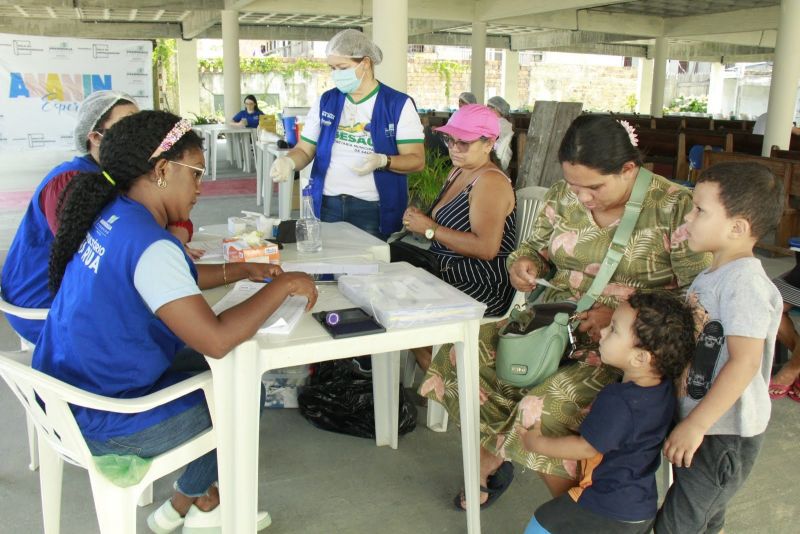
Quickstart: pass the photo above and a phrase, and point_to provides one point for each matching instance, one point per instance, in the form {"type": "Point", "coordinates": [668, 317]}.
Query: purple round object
{"type": "Point", "coordinates": [332, 318]}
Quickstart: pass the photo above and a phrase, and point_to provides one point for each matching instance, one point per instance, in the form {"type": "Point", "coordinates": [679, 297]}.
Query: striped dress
{"type": "Point", "coordinates": [485, 281]}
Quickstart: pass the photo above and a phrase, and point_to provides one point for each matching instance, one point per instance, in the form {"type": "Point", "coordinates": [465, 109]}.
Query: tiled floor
{"type": "Point", "coordinates": [324, 483]}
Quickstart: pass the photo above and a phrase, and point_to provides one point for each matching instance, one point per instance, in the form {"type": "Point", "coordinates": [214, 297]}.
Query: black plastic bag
{"type": "Point", "coordinates": [339, 400]}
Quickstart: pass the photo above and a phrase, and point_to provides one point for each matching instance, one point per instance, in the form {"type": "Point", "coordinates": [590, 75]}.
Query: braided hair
{"type": "Point", "coordinates": [125, 158]}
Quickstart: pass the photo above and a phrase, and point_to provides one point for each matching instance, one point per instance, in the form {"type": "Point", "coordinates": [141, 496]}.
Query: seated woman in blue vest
{"type": "Point", "coordinates": [364, 137]}
{"type": "Point", "coordinates": [24, 275]}
{"type": "Point", "coordinates": [248, 117]}
{"type": "Point", "coordinates": [128, 298]}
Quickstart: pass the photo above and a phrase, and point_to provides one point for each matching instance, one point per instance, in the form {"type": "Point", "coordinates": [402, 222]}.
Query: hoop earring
{"type": "Point", "coordinates": [161, 182]}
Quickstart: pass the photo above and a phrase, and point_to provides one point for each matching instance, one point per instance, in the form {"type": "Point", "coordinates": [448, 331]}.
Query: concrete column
{"type": "Point", "coordinates": [188, 78]}
{"type": "Point", "coordinates": [478, 65]}
{"type": "Point", "coordinates": [390, 33]}
{"type": "Point", "coordinates": [645, 84]}
{"type": "Point", "coordinates": [716, 92]}
{"type": "Point", "coordinates": [231, 72]}
{"type": "Point", "coordinates": [785, 74]}
{"type": "Point", "coordinates": [510, 79]}
{"type": "Point", "coordinates": [659, 77]}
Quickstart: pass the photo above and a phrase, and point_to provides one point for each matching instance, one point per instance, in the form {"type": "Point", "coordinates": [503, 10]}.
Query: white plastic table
{"type": "Point", "coordinates": [239, 139]}
{"type": "Point", "coordinates": [237, 379]}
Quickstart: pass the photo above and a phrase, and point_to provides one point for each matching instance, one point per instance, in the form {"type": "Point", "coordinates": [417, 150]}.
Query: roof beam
{"type": "Point", "coordinates": [309, 7]}
{"type": "Point", "coordinates": [277, 33]}
{"type": "Point", "coordinates": [605, 50]}
{"type": "Point", "coordinates": [745, 20]}
{"type": "Point", "coordinates": [561, 38]}
{"type": "Point", "coordinates": [457, 39]}
{"type": "Point", "coordinates": [198, 22]}
{"type": "Point", "coordinates": [423, 26]}
{"type": "Point", "coordinates": [691, 52]}
{"type": "Point", "coordinates": [95, 30]}
{"type": "Point", "coordinates": [592, 21]}
{"type": "Point", "coordinates": [489, 10]}
{"type": "Point", "coordinates": [176, 5]}
{"type": "Point", "coordinates": [764, 39]}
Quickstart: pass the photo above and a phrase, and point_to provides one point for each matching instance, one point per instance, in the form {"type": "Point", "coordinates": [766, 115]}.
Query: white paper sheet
{"type": "Point", "coordinates": [282, 321]}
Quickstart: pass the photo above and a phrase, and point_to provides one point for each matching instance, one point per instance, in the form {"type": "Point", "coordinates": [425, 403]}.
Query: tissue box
{"type": "Point", "coordinates": [281, 386]}
{"type": "Point", "coordinates": [237, 250]}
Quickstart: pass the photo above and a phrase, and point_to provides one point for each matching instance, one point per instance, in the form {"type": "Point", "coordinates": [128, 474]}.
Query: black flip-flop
{"type": "Point", "coordinates": [496, 485]}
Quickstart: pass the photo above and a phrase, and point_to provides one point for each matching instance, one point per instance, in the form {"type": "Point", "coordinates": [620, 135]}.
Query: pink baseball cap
{"type": "Point", "coordinates": [472, 122]}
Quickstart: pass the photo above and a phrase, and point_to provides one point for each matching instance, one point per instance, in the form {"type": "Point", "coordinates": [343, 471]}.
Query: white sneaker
{"type": "Point", "coordinates": [200, 522]}
{"type": "Point", "coordinates": [165, 519]}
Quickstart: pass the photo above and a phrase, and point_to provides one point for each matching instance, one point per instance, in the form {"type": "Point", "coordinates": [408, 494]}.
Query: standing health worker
{"type": "Point", "coordinates": [364, 137]}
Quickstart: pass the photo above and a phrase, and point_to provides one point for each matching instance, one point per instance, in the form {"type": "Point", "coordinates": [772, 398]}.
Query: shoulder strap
{"type": "Point", "coordinates": [620, 241]}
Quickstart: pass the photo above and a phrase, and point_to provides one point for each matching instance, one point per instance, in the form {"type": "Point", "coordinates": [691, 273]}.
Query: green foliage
{"type": "Point", "coordinates": [445, 68]}
{"type": "Point", "coordinates": [630, 103]}
{"type": "Point", "coordinates": [207, 119]}
{"type": "Point", "coordinates": [164, 64]}
{"type": "Point", "coordinates": [688, 105]}
{"type": "Point", "coordinates": [424, 185]}
{"type": "Point", "coordinates": [267, 65]}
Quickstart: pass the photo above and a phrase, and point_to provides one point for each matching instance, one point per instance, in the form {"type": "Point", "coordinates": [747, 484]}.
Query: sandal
{"type": "Point", "coordinates": [794, 393]}
{"type": "Point", "coordinates": [778, 391]}
{"type": "Point", "coordinates": [496, 485]}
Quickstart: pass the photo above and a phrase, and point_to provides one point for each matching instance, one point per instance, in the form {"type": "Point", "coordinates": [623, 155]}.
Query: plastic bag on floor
{"type": "Point", "coordinates": [339, 400]}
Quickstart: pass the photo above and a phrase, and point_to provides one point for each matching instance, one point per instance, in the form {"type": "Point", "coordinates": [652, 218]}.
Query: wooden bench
{"type": "Point", "coordinates": [776, 152]}
{"type": "Point", "coordinates": [736, 125]}
{"type": "Point", "coordinates": [786, 170]}
{"type": "Point", "coordinates": [659, 147]}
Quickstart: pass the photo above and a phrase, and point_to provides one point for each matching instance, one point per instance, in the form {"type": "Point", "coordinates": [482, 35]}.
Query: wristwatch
{"type": "Point", "coordinates": [430, 232]}
{"type": "Point", "coordinates": [388, 163]}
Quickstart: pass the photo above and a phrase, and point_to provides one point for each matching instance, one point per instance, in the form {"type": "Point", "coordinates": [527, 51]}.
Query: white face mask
{"type": "Point", "coordinates": [346, 80]}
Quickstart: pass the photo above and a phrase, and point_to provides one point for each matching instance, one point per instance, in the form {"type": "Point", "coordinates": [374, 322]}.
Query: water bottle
{"type": "Point", "coordinates": [308, 228]}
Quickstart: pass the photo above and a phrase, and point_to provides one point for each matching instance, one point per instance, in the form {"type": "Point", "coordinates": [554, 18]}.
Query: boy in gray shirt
{"type": "Point", "coordinates": [725, 407]}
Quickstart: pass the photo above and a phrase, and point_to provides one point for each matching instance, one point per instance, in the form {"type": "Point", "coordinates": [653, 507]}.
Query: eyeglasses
{"type": "Point", "coordinates": [199, 171]}
{"type": "Point", "coordinates": [460, 146]}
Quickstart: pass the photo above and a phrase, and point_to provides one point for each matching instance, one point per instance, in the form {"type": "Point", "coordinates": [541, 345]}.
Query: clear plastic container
{"type": "Point", "coordinates": [308, 228]}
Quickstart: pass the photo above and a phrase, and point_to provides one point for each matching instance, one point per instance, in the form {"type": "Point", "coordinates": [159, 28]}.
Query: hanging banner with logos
{"type": "Point", "coordinates": [43, 81]}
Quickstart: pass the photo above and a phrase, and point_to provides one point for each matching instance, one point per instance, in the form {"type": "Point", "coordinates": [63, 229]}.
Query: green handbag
{"type": "Point", "coordinates": [526, 360]}
{"type": "Point", "coordinates": [514, 363]}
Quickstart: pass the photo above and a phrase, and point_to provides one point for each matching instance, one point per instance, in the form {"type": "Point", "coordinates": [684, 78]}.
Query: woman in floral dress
{"type": "Point", "coordinates": [571, 235]}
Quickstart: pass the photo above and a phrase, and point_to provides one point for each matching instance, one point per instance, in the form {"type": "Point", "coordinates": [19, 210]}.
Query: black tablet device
{"type": "Point", "coordinates": [348, 322]}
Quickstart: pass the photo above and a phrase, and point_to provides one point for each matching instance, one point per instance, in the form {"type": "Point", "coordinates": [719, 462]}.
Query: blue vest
{"type": "Point", "coordinates": [392, 187]}
{"type": "Point", "coordinates": [100, 336]}
{"type": "Point", "coordinates": [24, 279]}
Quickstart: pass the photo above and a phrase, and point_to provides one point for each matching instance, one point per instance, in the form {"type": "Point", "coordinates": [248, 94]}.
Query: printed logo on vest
{"type": "Point", "coordinates": [390, 130]}
{"type": "Point", "coordinates": [706, 354]}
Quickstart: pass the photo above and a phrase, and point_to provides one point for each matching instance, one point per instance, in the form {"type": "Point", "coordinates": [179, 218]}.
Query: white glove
{"type": "Point", "coordinates": [371, 162]}
{"type": "Point", "coordinates": [282, 169]}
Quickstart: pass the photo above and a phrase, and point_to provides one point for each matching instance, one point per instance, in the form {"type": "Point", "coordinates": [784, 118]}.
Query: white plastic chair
{"type": "Point", "coordinates": [24, 356]}
{"type": "Point", "coordinates": [529, 202]}
{"type": "Point", "coordinates": [60, 439]}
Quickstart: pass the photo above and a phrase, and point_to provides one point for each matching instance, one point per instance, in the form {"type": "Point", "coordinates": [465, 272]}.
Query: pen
{"type": "Point", "coordinates": [267, 280]}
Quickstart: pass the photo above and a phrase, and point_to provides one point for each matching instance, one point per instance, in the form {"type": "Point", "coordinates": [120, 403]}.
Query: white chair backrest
{"type": "Point", "coordinates": [529, 202]}
{"type": "Point", "coordinates": [23, 313]}
{"type": "Point", "coordinates": [46, 401]}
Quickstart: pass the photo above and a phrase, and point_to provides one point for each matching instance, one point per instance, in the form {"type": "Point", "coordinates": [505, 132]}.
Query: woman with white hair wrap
{"type": "Point", "coordinates": [363, 136]}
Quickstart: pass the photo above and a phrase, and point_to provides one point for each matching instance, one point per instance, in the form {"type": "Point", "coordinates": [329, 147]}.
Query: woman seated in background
{"type": "Point", "coordinates": [248, 117]}
{"type": "Point", "coordinates": [472, 224]}
{"type": "Point", "coordinates": [128, 299]}
{"type": "Point", "coordinates": [502, 147]}
{"type": "Point", "coordinates": [571, 236]}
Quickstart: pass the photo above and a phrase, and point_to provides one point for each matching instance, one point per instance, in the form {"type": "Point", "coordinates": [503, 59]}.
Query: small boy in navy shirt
{"type": "Point", "coordinates": [650, 339]}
